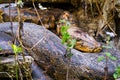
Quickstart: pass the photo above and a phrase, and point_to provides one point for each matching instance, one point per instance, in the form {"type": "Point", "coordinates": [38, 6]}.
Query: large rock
{"type": "Point", "coordinates": [7, 68]}
{"type": "Point", "coordinates": [50, 54]}
{"type": "Point", "coordinates": [7, 62]}
{"type": "Point", "coordinates": [51, 19]}
{"type": "Point", "coordinates": [7, 59]}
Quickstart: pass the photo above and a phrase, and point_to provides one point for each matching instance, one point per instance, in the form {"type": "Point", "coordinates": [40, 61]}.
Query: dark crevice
{"type": "Point", "coordinates": [64, 6]}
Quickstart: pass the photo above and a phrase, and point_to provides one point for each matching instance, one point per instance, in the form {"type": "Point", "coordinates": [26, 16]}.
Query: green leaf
{"type": "Point", "coordinates": [65, 38]}
{"type": "Point", "coordinates": [115, 76]}
{"type": "Point", "coordinates": [101, 58]}
{"type": "Point", "coordinates": [108, 54]}
{"type": "Point", "coordinates": [20, 3]}
{"type": "Point", "coordinates": [108, 47]}
{"type": "Point", "coordinates": [118, 69]}
{"type": "Point", "coordinates": [16, 49]}
{"type": "Point", "coordinates": [63, 21]}
{"type": "Point", "coordinates": [113, 58]}
{"type": "Point", "coordinates": [64, 29]}
{"type": "Point", "coordinates": [0, 48]}
{"type": "Point", "coordinates": [63, 41]}
{"type": "Point", "coordinates": [69, 55]}
{"type": "Point", "coordinates": [72, 43]}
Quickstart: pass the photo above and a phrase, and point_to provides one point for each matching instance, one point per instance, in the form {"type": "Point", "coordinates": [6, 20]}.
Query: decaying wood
{"type": "Point", "coordinates": [49, 54]}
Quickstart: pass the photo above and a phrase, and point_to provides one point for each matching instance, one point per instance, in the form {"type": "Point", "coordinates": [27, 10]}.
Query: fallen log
{"type": "Point", "coordinates": [49, 54]}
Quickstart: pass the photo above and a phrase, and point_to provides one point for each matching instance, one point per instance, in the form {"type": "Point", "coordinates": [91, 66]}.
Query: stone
{"type": "Point", "coordinates": [49, 53]}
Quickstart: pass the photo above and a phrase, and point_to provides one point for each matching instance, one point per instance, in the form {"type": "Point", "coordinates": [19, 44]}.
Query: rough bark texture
{"type": "Point", "coordinates": [49, 54]}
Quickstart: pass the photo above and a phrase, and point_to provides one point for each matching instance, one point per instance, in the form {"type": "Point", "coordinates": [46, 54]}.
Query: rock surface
{"type": "Point", "coordinates": [51, 19]}
{"type": "Point", "coordinates": [49, 54]}
{"type": "Point", "coordinates": [7, 62]}
{"type": "Point", "coordinates": [7, 58]}
{"type": "Point", "coordinates": [7, 68]}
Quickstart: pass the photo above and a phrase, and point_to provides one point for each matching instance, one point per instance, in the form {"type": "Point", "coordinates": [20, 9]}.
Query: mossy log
{"type": "Point", "coordinates": [49, 53]}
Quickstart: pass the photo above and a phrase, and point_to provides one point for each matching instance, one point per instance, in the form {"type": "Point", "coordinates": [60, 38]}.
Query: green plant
{"type": "Point", "coordinates": [66, 38]}
{"type": "Point", "coordinates": [107, 56]}
{"type": "Point", "coordinates": [16, 49]}
{"type": "Point", "coordinates": [0, 48]}
{"type": "Point", "coordinates": [68, 41]}
{"type": "Point", "coordinates": [20, 3]}
{"type": "Point", "coordinates": [116, 75]}
{"type": "Point", "coordinates": [19, 49]}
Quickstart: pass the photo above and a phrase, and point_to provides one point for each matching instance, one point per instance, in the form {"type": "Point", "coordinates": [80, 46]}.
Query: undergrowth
{"type": "Point", "coordinates": [107, 56]}
{"type": "Point", "coordinates": [68, 41]}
